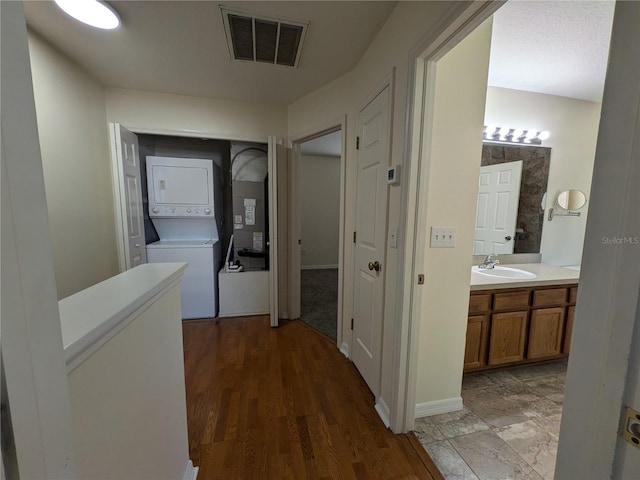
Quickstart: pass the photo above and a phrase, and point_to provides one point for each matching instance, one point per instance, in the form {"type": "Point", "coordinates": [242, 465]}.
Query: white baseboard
{"type": "Point", "coordinates": [438, 406]}
{"type": "Point", "coordinates": [344, 349]}
{"type": "Point", "coordinates": [319, 267]}
{"type": "Point", "coordinates": [190, 472]}
{"type": "Point", "coordinates": [383, 411]}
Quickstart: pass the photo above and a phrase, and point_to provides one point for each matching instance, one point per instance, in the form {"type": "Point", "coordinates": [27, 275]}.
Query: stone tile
{"type": "Point", "coordinates": [449, 462]}
{"type": "Point", "coordinates": [493, 408]}
{"type": "Point", "coordinates": [496, 377]}
{"type": "Point", "coordinates": [458, 423]}
{"type": "Point", "coordinates": [528, 372]}
{"type": "Point", "coordinates": [550, 385]}
{"type": "Point", "coordinates": [491, 458]}
{"type": "Point", "coordinates": [533, 444]}
{"type": "Point", "coordinates": [550, 424]}
{"type": "Point", "coordinates": [426, 431]}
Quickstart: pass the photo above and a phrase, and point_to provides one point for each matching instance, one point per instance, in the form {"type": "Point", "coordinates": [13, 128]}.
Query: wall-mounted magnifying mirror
{"type": "Point", "coordinates": [572, 199]}
{"type": "Point", "coordinates": [569, 200]}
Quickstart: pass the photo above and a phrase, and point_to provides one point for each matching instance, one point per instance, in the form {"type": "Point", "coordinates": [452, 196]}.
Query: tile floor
{"type": "Point", "coordinates": [508, 429]}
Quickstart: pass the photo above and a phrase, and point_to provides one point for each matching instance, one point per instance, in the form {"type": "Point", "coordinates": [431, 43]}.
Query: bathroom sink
{"type": "Point", "coordinates": [504, 272]}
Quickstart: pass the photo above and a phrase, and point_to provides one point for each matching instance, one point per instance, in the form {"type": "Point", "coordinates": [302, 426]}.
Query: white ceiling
{"type": "Point", "coordinates": [553, 47]}
{"type": "Point", "coordinates": [556, 47]}
{"type": "Point", "coordinates": [180, 46]}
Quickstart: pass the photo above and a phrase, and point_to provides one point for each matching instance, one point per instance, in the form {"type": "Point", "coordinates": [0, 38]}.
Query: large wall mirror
{"type": "Point", "coordinates": [510, 211]}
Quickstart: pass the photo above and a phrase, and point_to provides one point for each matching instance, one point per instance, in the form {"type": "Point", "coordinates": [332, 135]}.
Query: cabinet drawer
{"type": "Point", "coordinates": [550, 297]}
{"type": "Point", "coordinates": [573, 294]}
{"type": "Point", "coordinates": [479, 303]}
{"type": "Point", "coordinates": [511, 300]}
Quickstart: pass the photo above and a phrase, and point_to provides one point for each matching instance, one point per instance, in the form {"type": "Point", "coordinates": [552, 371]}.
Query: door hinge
{"type": "Point", "coordinates": [357, 143]}
{"type": "Point", "coordinates": [421, 279]}
{"type": "Point", "coordinates": [352, 324]}
{"type": "Point", "coordinates": [299, 241]}
{"type": "Point", "coordinates": [354, 237]}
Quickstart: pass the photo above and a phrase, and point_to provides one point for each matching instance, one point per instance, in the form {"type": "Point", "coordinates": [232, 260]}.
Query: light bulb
{"type": "Point", "coordinates": [490, 130]}
{"type": "Point", "coordinates": [531, 133]}
{"type": "Point", "coordinates": [91, 12]}
{"type": "Point", "coordinates": [517, 133]}
{"type": "Point", "coordinates": [543, 135]}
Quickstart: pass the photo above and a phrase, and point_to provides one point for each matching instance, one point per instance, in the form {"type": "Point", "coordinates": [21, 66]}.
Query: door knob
{"type": "Point", "coordinates": [507, 238]}
{"type": "Point", "coordinates": [374, 266]}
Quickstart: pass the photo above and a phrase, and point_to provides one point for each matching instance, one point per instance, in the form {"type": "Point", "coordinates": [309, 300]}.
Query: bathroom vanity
{"type": "Point", "coordinates": [514, 321]}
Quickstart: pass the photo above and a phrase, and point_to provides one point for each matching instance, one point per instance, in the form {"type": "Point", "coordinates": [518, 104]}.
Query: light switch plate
{"type": "Point", "coordinates": [393, 236]}
{"type": "Point", "coordinates": [443, 237]}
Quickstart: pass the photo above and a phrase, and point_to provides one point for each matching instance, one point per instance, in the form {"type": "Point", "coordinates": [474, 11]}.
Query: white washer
{"type": "Point", "coordinates": [199, 289]}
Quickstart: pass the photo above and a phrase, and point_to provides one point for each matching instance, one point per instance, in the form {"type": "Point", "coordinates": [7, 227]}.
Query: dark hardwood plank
{"type": "Point", "coordinates": [284, 403]}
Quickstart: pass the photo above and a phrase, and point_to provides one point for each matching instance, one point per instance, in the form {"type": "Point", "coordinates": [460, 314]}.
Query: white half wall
{"type": "Point", "coordinates": [72, 125]}
{"type": "Point", "coordinates": [128, 401]}
{"type": "Point", "coordinates": [573, 125]}
{"type": "Point", "coordinates": [319, 187]}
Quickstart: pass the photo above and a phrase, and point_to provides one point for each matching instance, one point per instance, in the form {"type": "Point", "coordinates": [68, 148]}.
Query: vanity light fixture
{"type": "Point", "coordinates": [531, 136]}
{"type": "Point", "coordinates": [95, 13]}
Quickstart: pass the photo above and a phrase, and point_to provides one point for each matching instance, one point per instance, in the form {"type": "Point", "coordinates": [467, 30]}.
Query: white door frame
{"type": "Point", "coordinates": [295, 224]}
{"type": "Point", "coordinates": [141, 130]}
{"type": "Point", "coordinates": [608, 297]}
{"type": "Point", "coordinates": [32, 348]}
{"type": "Point", "coordinates": [463, 19]}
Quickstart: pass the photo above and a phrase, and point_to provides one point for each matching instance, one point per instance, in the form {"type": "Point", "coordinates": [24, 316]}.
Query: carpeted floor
{"type": "Point", "coordinates": [319, 300]}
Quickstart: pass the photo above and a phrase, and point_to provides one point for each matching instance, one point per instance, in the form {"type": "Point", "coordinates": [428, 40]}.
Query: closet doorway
{"type": "Point", "coordinates": [319, 171]}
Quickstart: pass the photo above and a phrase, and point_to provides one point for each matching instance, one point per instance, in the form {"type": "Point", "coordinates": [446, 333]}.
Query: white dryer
{"type": "Point", "coordinates": [184, 198]}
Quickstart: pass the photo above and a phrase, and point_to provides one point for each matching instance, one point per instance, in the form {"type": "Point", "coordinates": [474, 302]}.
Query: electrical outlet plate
{"type": "Point", "coordinates": [443, 237]}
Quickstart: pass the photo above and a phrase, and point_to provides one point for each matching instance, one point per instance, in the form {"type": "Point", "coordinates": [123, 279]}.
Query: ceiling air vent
{"type": "Point", "coordinates": [261, 39]}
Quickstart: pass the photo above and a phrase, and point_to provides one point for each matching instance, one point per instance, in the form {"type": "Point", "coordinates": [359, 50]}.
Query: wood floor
{"type": "Point", "coordinates": [284, 403]}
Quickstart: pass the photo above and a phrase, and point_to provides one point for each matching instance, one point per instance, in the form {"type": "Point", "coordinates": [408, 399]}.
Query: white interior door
{"type": "Point", "coordinates": [125, 158]}
{"type": "Point", "coordinates": [498, 197]}
{"type": "Point", "coordinates": [371, 217]}
{"type": "Point", "coordinates": [274, 311]}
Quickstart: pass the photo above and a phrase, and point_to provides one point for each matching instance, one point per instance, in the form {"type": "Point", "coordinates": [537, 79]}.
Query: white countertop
{"type": "Point", "coordinates": [91, 317]}
{"type": "Point", "coordinates": [546, 275]}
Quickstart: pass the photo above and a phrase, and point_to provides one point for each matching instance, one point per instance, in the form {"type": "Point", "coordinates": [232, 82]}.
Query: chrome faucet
{"type": "Point", "coordinates": [490, 261]}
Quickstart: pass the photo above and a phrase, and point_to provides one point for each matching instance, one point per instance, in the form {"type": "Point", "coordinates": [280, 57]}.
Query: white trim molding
{"type": "Point", "coordinates": [344, 349]}
{"type": "Point", "coordinates": [383, 411]}
{"type": "Point", "coordinates": [437, 407]}
{"type": "Point", "coordinates": [190, 472]}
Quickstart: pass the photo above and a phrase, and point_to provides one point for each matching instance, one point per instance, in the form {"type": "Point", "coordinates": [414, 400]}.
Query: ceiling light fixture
{"type": "Point", "coordinates": [532, 136]}
{"type": "Point", "coordinates": [91, 12]}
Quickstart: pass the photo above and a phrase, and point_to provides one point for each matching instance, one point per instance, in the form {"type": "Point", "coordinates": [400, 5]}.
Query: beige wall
{"type": "Point", "coordinates": [194, 116]}
{"type": "Point", "coordinates": [405, 28]}
{"type": "Point", "coordinates": [453, 169]}
{"type": "Point", "coordinates": [319, 187]}
{"type": "Point", "coordinates": [128, 400]}
{"type": "Point", "coordinates": [72, 125]}
{"type": "Point", "coordinates": [573, 125]}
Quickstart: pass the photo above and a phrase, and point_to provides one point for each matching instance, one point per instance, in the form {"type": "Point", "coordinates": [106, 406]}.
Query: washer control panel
{"type": "Point", "coordinates": [177, 211]}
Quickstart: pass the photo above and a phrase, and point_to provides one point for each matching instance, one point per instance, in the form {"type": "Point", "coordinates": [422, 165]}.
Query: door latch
{"type": "Point", "coordinates": [632, 427]}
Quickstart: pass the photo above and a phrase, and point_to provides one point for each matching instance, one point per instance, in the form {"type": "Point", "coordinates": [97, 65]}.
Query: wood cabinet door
{"type": "Point", "coordinates": [571, 311]}
{"type": "Point", "coordinates": [508, 334]}
{"type": "Point", "coordinates": [476, 347]}
{"type": "Point", "coordinates": [545, 333]}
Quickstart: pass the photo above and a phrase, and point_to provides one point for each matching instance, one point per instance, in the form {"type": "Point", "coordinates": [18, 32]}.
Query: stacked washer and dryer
{"type": "Point", "coordinates": [185, 207]}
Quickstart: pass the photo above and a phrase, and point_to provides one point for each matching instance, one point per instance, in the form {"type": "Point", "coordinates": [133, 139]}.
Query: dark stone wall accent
{"type": "Point", "coordinates": [533, 185]}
